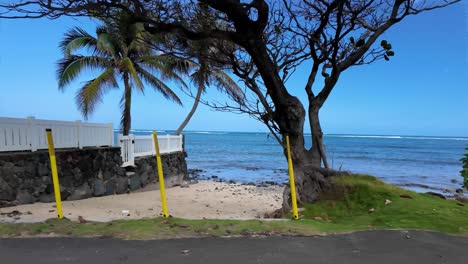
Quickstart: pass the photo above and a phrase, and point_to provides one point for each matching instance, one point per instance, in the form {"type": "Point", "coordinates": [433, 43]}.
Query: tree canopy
{"type": "Point", "coordinates": [119, 51]}
{"type": "Point", "coordinates": [262, 42]}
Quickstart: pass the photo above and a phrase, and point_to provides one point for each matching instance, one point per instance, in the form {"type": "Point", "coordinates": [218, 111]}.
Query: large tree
{"type": "Point", "coordinates": [263, 42]}
{"type": "Point", "coordinates": [119, 52]}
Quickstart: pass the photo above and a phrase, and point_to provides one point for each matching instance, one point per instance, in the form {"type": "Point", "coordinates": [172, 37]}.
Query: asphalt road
{"type": "Point", "coordinates": [376, 247]}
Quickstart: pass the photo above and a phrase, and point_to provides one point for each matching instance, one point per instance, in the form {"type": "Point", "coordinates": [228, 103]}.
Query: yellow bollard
{"type": "Point", "coordinates": [291, 180]}
{"type": "Point", "coordinates": [53, 166]}
{"type": "Point", "coordinates": [160, 174]}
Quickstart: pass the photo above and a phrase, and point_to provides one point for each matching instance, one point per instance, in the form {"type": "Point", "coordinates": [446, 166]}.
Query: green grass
{"type": "Point", "coordinates": [346, 208]}
{"type": "Point", "coordinates": [158, 228]}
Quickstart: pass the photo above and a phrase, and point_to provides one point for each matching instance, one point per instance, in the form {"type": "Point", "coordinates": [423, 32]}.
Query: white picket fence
{"type": "Point", "coordinates": [138, 146]}
{"type": "Point", "coordinates": [19, 134]}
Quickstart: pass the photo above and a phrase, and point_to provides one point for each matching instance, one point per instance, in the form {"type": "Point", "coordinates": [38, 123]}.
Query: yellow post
{"type": "Point", "coordinates": [53, 167]}
{"type": "Point", "coordinates": [160, 174]}
{"type": "Point", "coordinates": [291, 180]}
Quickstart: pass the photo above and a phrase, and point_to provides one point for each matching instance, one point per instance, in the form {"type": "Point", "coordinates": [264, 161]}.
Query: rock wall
{"type": "Point", "coordinates": [145, 171]}
{"type": "Point", "coordinates": [25, 177]}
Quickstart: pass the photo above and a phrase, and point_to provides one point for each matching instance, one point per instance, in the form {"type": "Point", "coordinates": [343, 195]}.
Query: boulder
{"type": "Point", "coordinates": [81, 192]}
{"type": "Point", "coordinates": [173, 180]}
{"type": "Point", "coordinates": [110, 187]}
{"type": "Point", "coordinates": [47, 198]}
{"type": "Point", "coordinates": [99, 188]}
{"type": "Point", "coordinates": [7, 169]}
{"type": "Point", "coordinates": [64, 193]}
{"type": "Point", "coordinates": [121, 185]}
{"type": "Point", "coordinates": [6, 192]}
{"type": "Point", "coordinates": [43, 169]}
{"type": "Point", "coordinates": [436, 195]}
{"type": "Point", "coordinates": [134, 183]}
{"type": "Point", "coordinates": [24, 197]}
{"type": "Point", "coordinates": [77, 175]}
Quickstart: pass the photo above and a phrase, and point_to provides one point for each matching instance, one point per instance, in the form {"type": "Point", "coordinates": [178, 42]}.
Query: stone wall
{"type": "Point", "coordinates": [145, 171]}
{"type": "Point", "coordinates": [25, 177]}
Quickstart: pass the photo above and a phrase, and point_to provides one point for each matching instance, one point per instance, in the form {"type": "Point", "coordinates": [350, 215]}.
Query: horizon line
{"type": "Point", "coordinates": [325, 134]}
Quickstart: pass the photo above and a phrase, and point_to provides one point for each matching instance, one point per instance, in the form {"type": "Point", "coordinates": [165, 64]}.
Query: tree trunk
{"type": "Point", "coordinates": [310, 178]}
{"type": "Point", "coordinates": [318, 148]}
{"type": "Point", "coordinates": [192, 111]}
{"type": "Point", "coordinates": [126, 103]}
{"type": "Point", "coordinates": [290, 116]}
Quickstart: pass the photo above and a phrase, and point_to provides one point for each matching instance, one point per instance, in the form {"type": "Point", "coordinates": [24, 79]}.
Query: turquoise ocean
{"type": "Point", "coordinates": [418, 163]}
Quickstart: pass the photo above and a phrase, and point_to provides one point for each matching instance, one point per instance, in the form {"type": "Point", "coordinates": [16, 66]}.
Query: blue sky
{"type": "Point", "coordinates": [421, 91]}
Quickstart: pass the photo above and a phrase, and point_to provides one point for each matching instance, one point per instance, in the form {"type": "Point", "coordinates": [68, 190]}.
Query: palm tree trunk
{"type": "Point", "coordinates": [192, 111]}
{"type": "Point", "coordinates": [126, 105]}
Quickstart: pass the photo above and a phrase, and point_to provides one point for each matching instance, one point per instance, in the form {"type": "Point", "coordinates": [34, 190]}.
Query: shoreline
{"type": "Point", "coordinates": [200, 174]}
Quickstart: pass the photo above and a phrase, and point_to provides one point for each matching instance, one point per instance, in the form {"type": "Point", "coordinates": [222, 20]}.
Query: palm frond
{"type": "Point", "coordinates": [77, 38]}
{"type": "Point", "coordinates": [200, 78]}
{"type": "Point", "coordinates": [167, 69]}
{"type": "Point", "coordinates": [70, 67]}
{"type": "Point", "coordinates": [226, 84]}
{"type": "Point", "coordinates": [91, 93]}
{"type": "Point", "coordinates": [130, 68]}
{"type": "Point", "coordinates": [106, 44]}
{"type": "Point", "coordinates": [158, 85]}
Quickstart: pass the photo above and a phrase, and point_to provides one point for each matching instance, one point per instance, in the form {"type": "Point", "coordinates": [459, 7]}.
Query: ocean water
{"type": "Point", "coordinates": [417, 163]}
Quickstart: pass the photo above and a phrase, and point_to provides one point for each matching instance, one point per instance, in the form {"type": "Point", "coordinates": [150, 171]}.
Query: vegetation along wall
{"type": "Point", "coordinates": [25, 177]}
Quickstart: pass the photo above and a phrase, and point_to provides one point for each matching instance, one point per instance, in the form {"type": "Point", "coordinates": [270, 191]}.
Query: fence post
{"type": "Point", "coordinates": [182, 143]}
{"type": "Point", "coordinates": [123, 149]}
{"type": "Point", "coordinates": [31, 135]}
{"type": "Point", "coordinates": [79, 132]}
{"type": "Point", "coordinates": [111, 130]}
{"type": "Point", "coordinates": [131, 153]}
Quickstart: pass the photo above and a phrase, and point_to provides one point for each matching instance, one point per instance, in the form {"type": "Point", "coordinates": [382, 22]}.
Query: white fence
{"type": "Point", "coordinates": [29, 134]}
{"type": "Point", "coordinates": [137, 146]}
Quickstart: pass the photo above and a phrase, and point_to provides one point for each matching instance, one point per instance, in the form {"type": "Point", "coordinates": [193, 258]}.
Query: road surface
{"type": "Point", "coordinates": [373, 247]}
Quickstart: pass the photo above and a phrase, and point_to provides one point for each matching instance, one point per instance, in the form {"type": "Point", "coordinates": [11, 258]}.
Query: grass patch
{"type": "Point", "coordinates": [158, 228]}
{"type": "Point", "coordinates": [345, 208]}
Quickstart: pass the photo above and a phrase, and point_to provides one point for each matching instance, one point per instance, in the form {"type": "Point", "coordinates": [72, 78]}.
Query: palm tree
{"type": "Point", "coordinates": [203, 76]}
{"type": "Point", "coordinates": [120, 52]}
{"type": "Point", "coordinates": [205, 70]}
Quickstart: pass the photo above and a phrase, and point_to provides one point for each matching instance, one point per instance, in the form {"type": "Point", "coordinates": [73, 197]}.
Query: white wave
{"type": "Point", "coordinates": [356, 136]}
{"type": "Point", "coordinates": [205, 133]}
{"type": "Point", "coordinates": [437, 138]}
{"type": "Point", "coordinates": [398, 137]}
{"type": "Point", "coordinates": [142, 130]}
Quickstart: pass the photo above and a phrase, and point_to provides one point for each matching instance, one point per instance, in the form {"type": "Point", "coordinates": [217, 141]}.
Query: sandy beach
{"type": "Point", "coordinates": [205, 199]}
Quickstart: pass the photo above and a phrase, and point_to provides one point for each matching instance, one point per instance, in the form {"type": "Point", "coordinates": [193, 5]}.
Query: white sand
{"type": "Point", "coordinates": [206, 199]}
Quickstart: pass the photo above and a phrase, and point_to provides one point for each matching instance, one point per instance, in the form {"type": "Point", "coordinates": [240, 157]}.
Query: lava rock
{"type": "Point", "coordinates": [43, 170]}
{"type": "Point", "coordinates": [134, 183]}
{"type": "Point", "coordinates": [47, 198]}
{"type": "Point", "coordinates": [6, 192]}
{"type": "Point", "coordinates": [81, 192]}
{"type": "Point", "coordinates": [436, 195]}
{"type": "Point", "coordinates": [99, 187]}
{"type": "Point", "coordinates": [121, 185]}
{"type": "Point", "coordinates": [110, 187]}
{"type": "Point", "coordinates": [24, 197]}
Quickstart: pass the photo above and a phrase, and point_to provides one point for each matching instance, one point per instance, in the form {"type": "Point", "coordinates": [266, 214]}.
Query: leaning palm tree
{"type": "Point", "coordinates": [120, 52]}
{"type": "Point", "coordinates": [203, 76]}
{"type": "Point", "coordinates": [205, 71]}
